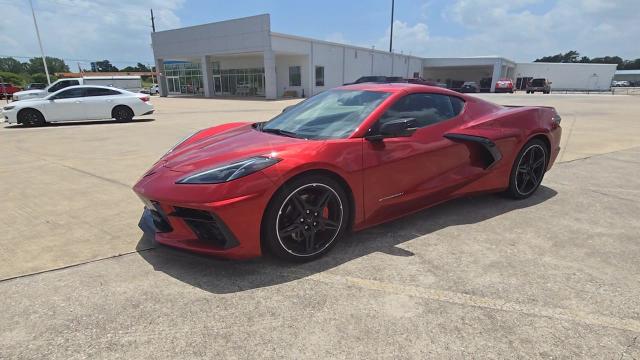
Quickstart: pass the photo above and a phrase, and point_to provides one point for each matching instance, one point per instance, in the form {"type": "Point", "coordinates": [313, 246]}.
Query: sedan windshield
{"type": "Point", "coordinates": [333, 114]}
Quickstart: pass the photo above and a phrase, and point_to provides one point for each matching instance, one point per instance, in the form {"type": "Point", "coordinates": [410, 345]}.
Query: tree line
{"type": "Point", "coordinates": [21, 73]}
{"type": "Point", "coordinates": [574, 57]}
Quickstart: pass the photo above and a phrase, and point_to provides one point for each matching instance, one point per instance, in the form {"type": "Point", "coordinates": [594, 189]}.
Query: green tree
{"type": "Point", "coordinates": [12, 65]}
{"type": "Point", "coordinates": [11, 78]}
{"type": "Point", "coordinates": [54, 65]}
{"type": "Point", "coordinates": [103, 66]}
{"type": "Point", "coordinates": [569, 57]}
{"type": "Point", "coordinates": [42, 78]}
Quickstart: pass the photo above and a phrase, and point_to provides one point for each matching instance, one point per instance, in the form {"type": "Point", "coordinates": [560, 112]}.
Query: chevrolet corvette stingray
{"type": "Point", "coordinates": [345, 159]}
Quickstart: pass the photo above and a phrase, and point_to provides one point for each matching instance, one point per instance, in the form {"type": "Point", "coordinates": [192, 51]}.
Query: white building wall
{"type": "Point", "coordinates": [570, 76]}
{"type": "Point", "coordinates": [329, 56]}
{"type": "Point", "coordinates": [415, 66]}
{"type": "Point", "coordinates": [283, 62]}
{"type": "Point", "coordinates": [382, 64]}
{"type": "Point", "coordinates": [459, 74]}
{"type": "Point", "coordinates": [357, 64]}
{"type": "Point", "coordinates": [233, 36]}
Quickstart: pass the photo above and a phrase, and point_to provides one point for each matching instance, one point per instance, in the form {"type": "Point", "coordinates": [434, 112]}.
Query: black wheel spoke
{"type": "Point", "coordinates": [290, 230]}
{"type": "Point", "coordinates": [328, 224]}
{"type": "Point", "coordinates": [324, 199]}
{"type": "Point", "coordinates": [298, 204]}
{"type": "Point", "coordinates": [538, 163]}
{"type": "Point", "coordinates": [534, 178]}
{"type": "Point", "coordinates": [310, 238]}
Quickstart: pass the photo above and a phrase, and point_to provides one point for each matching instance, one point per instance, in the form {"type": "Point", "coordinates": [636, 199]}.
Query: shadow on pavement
{"type": "Point", "coordinates": [75, 123]}
{"type": "Point", "coordinates": [228, 276]}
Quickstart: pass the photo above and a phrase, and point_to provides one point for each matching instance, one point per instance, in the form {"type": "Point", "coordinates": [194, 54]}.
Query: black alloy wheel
{"type": "Point", "coordinates": [307, 218]}
{"type": "Point", "coordinates": [123, 114]}
{"type": "Point", "coordinates": [528, 169]}
{"type": "Point", "coordinates": [31, 117]}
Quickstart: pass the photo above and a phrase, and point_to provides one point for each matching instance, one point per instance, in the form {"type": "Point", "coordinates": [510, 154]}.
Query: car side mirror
{"type": "Point", "coordinates": [403, 127]}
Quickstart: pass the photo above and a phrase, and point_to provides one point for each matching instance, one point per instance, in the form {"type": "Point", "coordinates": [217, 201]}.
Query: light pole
{"type": "Point", "coordinates": [44, 61]}
{"type": "Point", "coordinates": [391, 35]}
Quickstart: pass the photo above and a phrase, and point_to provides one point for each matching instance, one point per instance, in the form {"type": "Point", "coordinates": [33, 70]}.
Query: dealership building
{"type": "Point", "coordinates": [243, 57]}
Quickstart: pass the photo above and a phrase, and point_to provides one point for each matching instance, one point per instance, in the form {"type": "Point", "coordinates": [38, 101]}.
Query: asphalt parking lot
{"type": "Point", "coordinates": [553, 276]}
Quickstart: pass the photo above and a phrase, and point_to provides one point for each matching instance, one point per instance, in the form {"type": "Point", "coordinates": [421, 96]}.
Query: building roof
{"type": "Point", "coordinates": [628, 72]}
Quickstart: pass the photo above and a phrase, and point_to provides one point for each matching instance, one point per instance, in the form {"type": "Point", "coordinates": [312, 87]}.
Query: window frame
{"type": "Point", "coordinates": [376, 125]}
{"type": "Point", "coordinates": [57, 96]}
{"type": "Point", "coordinates": [291, 83]}
{"type": "Point", "coordinates": [319, 67]}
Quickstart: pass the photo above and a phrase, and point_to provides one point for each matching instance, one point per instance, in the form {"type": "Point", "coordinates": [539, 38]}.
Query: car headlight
{"type": "Point", "coordinates": [228, 172]}
{"type": "Point", "coordinates": [6, 108]}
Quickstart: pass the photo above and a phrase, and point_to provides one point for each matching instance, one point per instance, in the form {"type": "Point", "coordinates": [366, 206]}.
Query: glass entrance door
{"type": "Point", "coordinates": [217, 85]}
{"type": "Point", "coordinates": [173, 85]}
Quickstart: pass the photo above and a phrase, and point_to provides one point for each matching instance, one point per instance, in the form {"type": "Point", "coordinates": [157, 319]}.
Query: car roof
{"type": "Point", "coordinates": [398, 87]}
{"type": "Point", "coordinates": [91, 86]}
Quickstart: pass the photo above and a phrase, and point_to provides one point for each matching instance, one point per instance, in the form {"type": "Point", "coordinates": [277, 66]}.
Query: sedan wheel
{"type": "Point", "coordinates": [528, 170]}
{"type": "Point", "coordinates": [123, 114]}
{"type": "Point", "coordinates": [306, 219]}
{"type": "Point", "coordinates": [30, 117]}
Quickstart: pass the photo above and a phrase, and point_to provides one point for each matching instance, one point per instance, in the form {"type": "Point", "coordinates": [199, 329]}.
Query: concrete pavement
{"type": "Point", "coordinates": [554, 276]}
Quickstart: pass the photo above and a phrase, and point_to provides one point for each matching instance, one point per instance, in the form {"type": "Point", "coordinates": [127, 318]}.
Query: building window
{"type": "Point", "coordinates": [295, 77]}
{"type": "Point", "coordinates": [319, 75]}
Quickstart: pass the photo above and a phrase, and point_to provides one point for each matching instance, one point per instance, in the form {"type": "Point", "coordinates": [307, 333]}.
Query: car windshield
{"type": "Point", "coordinates": [333, 114]}
{"type": "Point", "coordinates": [537, 82]}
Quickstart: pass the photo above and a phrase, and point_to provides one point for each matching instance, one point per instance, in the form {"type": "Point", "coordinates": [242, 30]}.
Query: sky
{"type": "Point", "coordinates": [81, 31]}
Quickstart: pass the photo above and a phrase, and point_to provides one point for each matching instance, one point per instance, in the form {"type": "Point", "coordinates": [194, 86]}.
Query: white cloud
{"type": "Point", "coordinates": [86, 29]}
{"type": "Point", "coordinates": [511, 29]}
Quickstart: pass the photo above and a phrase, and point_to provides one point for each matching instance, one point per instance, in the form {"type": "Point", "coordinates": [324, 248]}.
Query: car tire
{"type": "Point", "coordinates": [122, 113]}
{"type": "Point", "coordinates": [31, 117]}
{"type": "Point", "coordinates": [528, 169]}
{"type": "Point", "coordinates": [305, 218]}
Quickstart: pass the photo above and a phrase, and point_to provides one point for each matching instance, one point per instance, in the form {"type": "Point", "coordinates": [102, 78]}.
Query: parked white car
{"type": "Point", "coordinates": [130, 83]}
{"type": "Point", "coordinates": [77, 103]}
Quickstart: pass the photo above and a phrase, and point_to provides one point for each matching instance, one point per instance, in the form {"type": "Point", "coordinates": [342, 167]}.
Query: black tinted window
{"type": "Point", "coordinates": [71, 93]}
{"type": "Point", "coordinates": [427, 109]}
{"type": "Point", "coordinates": [537, 82]}
{"type": "Point", "coordinates": [101, 92]}
{"type": "Point", "coordinates": [457, 104]}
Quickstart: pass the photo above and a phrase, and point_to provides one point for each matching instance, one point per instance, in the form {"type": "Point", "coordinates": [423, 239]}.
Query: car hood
{"type": "Point", "coordinates": [232, 145]}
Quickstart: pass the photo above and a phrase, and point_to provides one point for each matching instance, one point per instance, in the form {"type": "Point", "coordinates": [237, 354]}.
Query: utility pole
{"type": "Point", "coordinates": [391, 36]}
{"type": "Point", "coordinates": [153, 22]}
{"type": "Point", "coordinates": [44, 61]}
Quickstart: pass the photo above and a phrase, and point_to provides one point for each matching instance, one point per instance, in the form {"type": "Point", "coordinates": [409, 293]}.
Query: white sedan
{"type": "Point", "coordinates": [77, 103]}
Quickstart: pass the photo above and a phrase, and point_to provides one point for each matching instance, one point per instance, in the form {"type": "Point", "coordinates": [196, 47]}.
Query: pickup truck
{"type": "Point", "coordinates": [7, 90]}
{"type": "Point", "coordinates": [130, 83]}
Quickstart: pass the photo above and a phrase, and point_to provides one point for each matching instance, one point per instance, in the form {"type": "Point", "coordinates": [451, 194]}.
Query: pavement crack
{"type": "Point", "coordinates": [76, 264]}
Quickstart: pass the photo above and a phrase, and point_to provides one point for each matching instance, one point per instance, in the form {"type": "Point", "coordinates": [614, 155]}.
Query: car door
{"type": "Point", "coordinates": [99, 102]}
{"type": "Point", "coordinates": [66, 105]}
{"type": "Point", "coordinates": [403, 174]}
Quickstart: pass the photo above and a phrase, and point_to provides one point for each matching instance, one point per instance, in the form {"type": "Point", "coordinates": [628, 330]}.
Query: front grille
{"type": "Point", "coordinates": [207, 226]}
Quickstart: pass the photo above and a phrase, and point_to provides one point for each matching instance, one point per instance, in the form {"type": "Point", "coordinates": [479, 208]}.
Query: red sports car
{"type": "Point", "coordinates": [345, 159]}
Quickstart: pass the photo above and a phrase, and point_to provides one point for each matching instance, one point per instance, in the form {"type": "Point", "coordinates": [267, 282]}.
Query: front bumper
{"type": "Point", "coordinates": [10, 116]}
{"type": "Point", "coordinates": [221, 220]}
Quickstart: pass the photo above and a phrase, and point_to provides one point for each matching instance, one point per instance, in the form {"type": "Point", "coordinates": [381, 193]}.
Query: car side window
{"type": "Point", "coordinates": [427, 109]}
{"type": "Point", "coordinates": [71, 93]}
{"type": "Point", "coordinates": [101, 92]}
